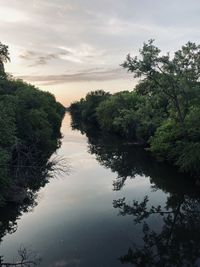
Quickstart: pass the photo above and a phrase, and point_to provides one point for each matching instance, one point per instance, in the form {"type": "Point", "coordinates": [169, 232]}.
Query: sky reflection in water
{"type": "Point", "coordinates": [76, 223]}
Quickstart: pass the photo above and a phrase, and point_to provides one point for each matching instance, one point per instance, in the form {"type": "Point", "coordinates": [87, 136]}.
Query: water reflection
{"type": "Point", "coordinates": [22, 197]}
{"type": "Point", "coordinates": [27, 258]}
{"type": "Point", "coordinates": [178, 241]}
{"type": "Point", "coordinates": [170, 232]}
{"type": "Point", "coordinates": [128, 161]}
{"type": "Point", "coordinates": [77, 217]}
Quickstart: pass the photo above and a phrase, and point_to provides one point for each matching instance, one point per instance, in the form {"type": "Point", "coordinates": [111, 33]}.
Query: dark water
{"type": "Point", "coordinates": [117, 206]}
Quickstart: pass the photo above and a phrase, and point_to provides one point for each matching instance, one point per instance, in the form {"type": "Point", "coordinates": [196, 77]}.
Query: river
{"type": "Point", "coordinates": [116, 205]}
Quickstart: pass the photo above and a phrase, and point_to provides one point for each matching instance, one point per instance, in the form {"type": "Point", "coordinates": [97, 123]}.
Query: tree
{"type": "Point", "coordinates": [85, 109]}
{"type": "Point", "coordinates": [172, 76]}
{"type": "Point", "coordinates": [163, 111]}
{"type": "Point", "coordinates": [4, 57]}
{"type": "Point", "coordinates": [30, 122]}
{"type": "Point", "coordinates": [123, 116]}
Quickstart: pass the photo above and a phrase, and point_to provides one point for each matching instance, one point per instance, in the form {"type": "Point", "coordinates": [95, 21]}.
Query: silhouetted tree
{"type": "Point", "coordinates": [4, 57]}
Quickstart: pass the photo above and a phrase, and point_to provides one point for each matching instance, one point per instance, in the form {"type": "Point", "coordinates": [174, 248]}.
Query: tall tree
{"type": "Point", "coordinates": [4, 57]}
{"type": "Point", "coordinates": [172, 76]}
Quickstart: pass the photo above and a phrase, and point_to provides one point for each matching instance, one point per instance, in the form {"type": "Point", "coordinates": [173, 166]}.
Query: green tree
{"type": "Point", "coordinates": [118, 114]}
{"type": "Point", "coordinates": [4, 57]}
{"type": "Point", "coordinates": [85, 109]}
{"type": "Point", "coordinates": [162, 112]}
{"type": "Point", "coordinates": [172, 76]}
{"type": "Point", "coordinates": [30, 122]}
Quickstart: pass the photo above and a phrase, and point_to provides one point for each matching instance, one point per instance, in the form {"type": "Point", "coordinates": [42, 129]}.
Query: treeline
{"type": "Point", "coordinates": [30, 122]}
{"type": "Point", "coordinates": [162, 113]}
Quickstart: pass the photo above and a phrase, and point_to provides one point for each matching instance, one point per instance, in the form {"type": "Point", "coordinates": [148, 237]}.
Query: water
{"type": "Point", "coordinates": [76, 220]}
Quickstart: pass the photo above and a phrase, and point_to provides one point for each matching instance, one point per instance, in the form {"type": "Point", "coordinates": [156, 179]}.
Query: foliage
{"type": "Point", "coordinates": [4, 57]}
{"type": "Point", "coordinates": [30, 122]}
{"type": "Point", "coordinates": [118, 114]}
{"type": "Point", "coordinates": [162, 112]}
{"type": "Point", "coordinates": [85, 109]}
{"type": "Point", "coordinates": [173, 77]}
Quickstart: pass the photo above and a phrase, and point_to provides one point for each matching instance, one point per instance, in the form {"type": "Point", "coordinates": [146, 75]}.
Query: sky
{"type": "Point", "coordinates": [71, 47]}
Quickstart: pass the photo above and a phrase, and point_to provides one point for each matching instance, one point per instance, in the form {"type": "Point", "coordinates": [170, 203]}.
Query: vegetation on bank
{"type": "Point", "coordinates": [161, 113]}
{"type": "Point", "coordinates": [30, 122]}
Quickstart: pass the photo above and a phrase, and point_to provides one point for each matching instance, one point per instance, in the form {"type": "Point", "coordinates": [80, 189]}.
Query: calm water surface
{"type": "Point", "coordinates": [101, 214]}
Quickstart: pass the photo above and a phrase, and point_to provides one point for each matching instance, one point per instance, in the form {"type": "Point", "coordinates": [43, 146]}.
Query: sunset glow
{"type": "Point", "coordinates": [72, 47]}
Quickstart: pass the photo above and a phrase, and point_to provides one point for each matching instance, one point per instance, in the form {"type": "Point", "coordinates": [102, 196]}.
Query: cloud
{"type": "Point", "coordinates": [57, 36]}
{"type": "Point", "coordinates": [40, 58]}
{"type": "Point", "coordinates": [82, 76]}
{"type": "Point", "coordinates": [81, 53]}
{"type": "Point", "coordinates": [78, 54]}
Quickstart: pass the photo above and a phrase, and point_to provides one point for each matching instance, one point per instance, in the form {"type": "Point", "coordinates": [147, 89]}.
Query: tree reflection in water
{"type": "Point", "coordinates": [30, 179]}
{"type": "Point", "coordinates": [27, 258]}
{"type": "Point", "coordinates": [177, 243]}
